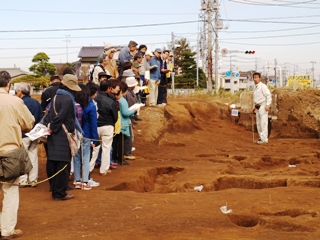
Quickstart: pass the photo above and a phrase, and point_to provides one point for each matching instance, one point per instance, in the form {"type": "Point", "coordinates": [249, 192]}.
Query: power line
{"type": "Point", "coordinates": [98, 28]}
{"type": "Point", "coordinates": [277, 30]}
{"type": "Point", "coordinates": [279, 36]}
{"type": "Point", "coordinates": [279, 3]}
{"type": "Point", "coordinates": [257, 21]}
{"type": "Point", "coordinates": [95, 13]}
{"type": "Point", "coordinates": [104, 36]}
{"type": "Point", "coordinates": [275, 45]}
{"type": "Point", "coordinates": [18, 57]}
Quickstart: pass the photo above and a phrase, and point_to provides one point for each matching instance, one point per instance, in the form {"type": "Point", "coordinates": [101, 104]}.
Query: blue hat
{"type": "Point", "coordinates": [158, 50]}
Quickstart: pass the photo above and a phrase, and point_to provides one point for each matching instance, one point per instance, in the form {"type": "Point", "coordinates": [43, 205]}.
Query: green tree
{"type": "Point", "coordinates": [183, 46]}
{"type": "Point", "coordinates": [36, 81]}
{"type": "Point", "coordinates": [184, 58]}
{"type": "Point", "coordinates": [42, 67]}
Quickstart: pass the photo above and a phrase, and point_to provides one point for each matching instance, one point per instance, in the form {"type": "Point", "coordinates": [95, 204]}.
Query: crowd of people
{"type": "Point", "coordinates": [101, 111]}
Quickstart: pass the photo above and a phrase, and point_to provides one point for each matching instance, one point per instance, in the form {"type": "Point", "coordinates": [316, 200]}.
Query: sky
{"type": "Point", "coordinates": [282, 31]}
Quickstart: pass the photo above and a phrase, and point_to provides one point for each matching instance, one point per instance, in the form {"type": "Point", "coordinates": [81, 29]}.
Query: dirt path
{"type": "Point", "coordinates": [188, 144]}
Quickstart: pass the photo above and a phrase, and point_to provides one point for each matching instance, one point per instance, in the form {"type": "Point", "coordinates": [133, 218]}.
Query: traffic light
{"type": "Point", "coordinates": [249, 52]}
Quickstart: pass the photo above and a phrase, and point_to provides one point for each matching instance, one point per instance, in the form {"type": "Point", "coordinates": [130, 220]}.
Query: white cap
{"type": "Point", "coordinates": [149, 53]}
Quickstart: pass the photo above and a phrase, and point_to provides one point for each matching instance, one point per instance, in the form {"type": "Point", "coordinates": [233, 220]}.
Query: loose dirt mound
{"type": "Point", "coordinates": [298, 113]}
{"type": "Point", "coordinates": [179, 117]}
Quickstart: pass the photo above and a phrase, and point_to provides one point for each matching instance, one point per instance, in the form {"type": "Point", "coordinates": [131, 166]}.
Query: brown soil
{"type": "Point", "coordinates": [187, 144]}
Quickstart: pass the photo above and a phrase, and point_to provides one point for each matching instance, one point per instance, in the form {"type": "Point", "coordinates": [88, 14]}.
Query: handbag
{"type": "Point", "coordinates": [74, 141]}
{"type": "Point", "coordinates": [14, 163]}
{"type": "Point", "coordinates": [147, 89]}
{"type": "Point", "coordinates": [117, 126]}
{"type": "Point", "coordinates": [73, 137]}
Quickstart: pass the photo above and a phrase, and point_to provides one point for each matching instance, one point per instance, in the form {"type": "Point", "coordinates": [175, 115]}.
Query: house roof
{"type": "Point", "coordinates": [15, 72]}
{"type": "Point", "coordinates": [92, 51]}
{"type": "Point", "coordinates": [95, 51]}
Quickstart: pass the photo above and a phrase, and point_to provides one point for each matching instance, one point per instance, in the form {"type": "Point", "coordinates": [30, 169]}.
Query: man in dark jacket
{"type": "Point", "coordinates": [108, 116]}
{"type": "Point", "coordinates": [49, 93]}
{"type": "Point", "coordinates": [23, 92]}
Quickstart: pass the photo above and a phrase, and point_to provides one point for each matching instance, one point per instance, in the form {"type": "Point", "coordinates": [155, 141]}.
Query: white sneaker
{"type": "Point", "coordinates": [132, 149]}
{"type": "Point", "coordinates": [93, 183]}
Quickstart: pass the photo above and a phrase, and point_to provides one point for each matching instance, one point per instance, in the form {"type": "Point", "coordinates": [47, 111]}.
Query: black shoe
{"type": "Point", "coordinates": [123, 163]}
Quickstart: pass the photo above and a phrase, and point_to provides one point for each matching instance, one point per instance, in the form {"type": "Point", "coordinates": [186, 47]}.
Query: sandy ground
{"type": "Point", "coordinates": [190, 143]}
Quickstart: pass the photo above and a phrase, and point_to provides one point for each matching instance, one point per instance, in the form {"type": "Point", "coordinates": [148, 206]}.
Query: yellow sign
{"type": "Point", "coordinates": [300, 79]}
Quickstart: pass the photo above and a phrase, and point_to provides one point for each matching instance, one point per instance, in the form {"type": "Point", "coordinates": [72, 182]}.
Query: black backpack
{"type": "Point", "coordinates": [91, 72]}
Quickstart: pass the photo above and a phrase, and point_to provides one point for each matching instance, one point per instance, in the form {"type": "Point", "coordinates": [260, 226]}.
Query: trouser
{"type": "Point", "coordinates": [48, 169]}
{"type": "Point", "coordinates": [128, 142]}
{"type": "Point", "coordinates": [106, 136]}
{"type": "Point", "coordinates": [118, 147]}
{"type": "Point", "coordinates": [262, 123]}
{"type": "Point", "coordinates": [32, 149]}
{"type": "Point", "coordinates": [143, 96]}
{"type": "Point", "coordinates": [153, 95]}
{"type": "Point", "coordinates": [10, 206]}
{"type": "Point", "coordinates": [59, 183]}
{"type": "Point", "coordinates": [162, 95]}
{"type": "Point", "coordinates": [81, 162]}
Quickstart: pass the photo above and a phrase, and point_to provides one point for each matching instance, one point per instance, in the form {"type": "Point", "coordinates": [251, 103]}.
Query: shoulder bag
{"type": "Point", "coordinates": [73, 137]}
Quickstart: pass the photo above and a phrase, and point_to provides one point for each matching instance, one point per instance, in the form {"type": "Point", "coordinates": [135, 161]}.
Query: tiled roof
{"type": "Point", "coordinates": [14, 72]}
{"type": "Point", "coordinates": [93, 51]}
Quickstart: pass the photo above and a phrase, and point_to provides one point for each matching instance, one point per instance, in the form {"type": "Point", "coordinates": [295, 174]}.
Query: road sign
{"type": "Point", "coordinates": [237, 74]}
{"type": "Point", "coordinates": [224, 52]}
{"type": "Point", "coordinates": [228, 74]}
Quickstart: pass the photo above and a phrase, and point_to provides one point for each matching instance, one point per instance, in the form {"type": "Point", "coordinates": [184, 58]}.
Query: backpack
{"type": "Point", "coordinates": [91, 72]}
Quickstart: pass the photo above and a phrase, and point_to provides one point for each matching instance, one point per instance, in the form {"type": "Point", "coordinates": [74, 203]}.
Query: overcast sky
{"type": "Point", "coordinates": [291, 35]}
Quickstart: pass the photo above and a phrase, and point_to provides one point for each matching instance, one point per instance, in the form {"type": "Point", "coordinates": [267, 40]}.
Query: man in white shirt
{"type": "Point", "coordinates": [261, 105]}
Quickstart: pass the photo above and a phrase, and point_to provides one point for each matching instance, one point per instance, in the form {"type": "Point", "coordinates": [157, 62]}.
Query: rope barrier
{"type": "Point", "coordinates": [36, 183]}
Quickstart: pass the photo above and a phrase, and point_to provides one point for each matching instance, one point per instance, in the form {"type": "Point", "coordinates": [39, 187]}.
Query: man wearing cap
{"type": "Point", "coordinates": [155, 76]}
{"type": "Point", "coordinates": [62, 111]}
{"type": "Point", "coordinates": [15, 117]}
{"type": "Point", "coordinates": [126, 54]}
{"type": "Point", "coordinates": [127, 73]}
{"type": "Point", "coordinates": [49, 93]}
{"type": "Point", "coordinates": [135, 69]}
{"type": "Point", "coordinates": [103, 76]}
{"type": "Point", "coordinates": [144, 72]}
{"type": "Point", "coordinates": [131, 99]}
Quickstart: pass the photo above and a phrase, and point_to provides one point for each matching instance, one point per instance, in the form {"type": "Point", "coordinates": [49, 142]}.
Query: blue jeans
{"type": "Point", "coordinates": [77, 161]}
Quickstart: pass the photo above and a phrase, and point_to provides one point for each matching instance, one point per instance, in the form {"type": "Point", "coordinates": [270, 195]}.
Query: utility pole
{"type": "Point", "coordinates": [67, 41]}
{"type": "Point", "coordinates": [256, 64]}
{"type": "Point", "coordinates": [173, 72]}
{"type": "Point", "coordinates": [312, 69]}
{"type": "Point", "coordinates": [275, 70]}
{"type": "Point", "coordinates": [216, 49]}
{"type": "Point", "coordinates": [210, 30]}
